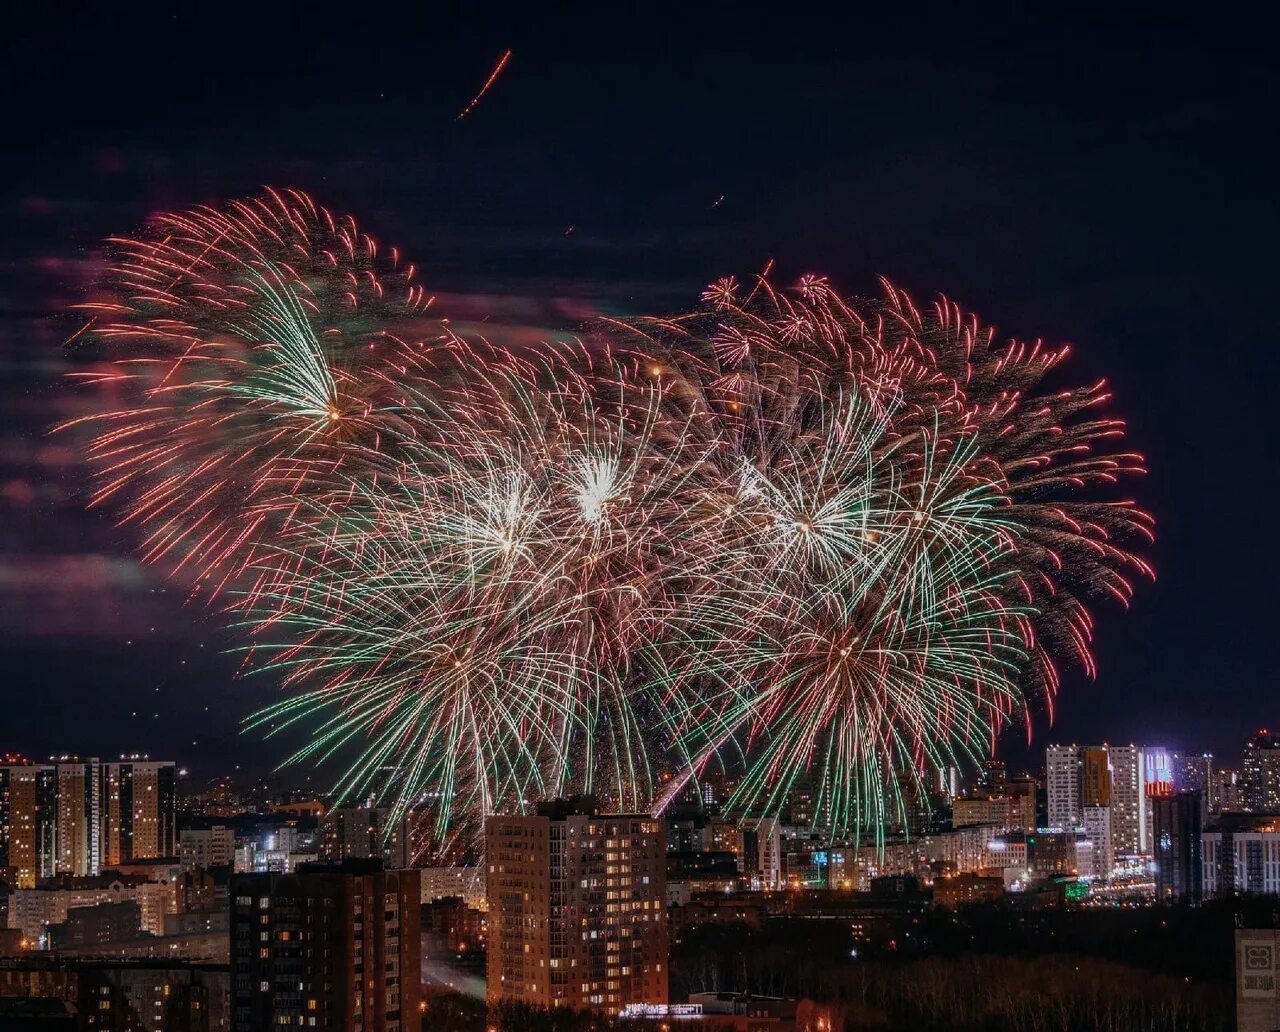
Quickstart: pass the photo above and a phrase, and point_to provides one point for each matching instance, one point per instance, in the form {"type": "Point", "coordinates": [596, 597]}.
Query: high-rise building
{"type": "Point", "coordinates": [1095, 776]}
{"type": "Point", "coordinates": [139, 810]}
{"type": "Point", "coordinates": [1129, 826]}
{"type": "Point", "coordinates": [1001, 808]}
{"type": "Point", "coordinates": [577, 908]}
{"type": "Point", "coordinates": [948, 782]}
{"type": "Point", "coordinates": [1096, 821]}
{"type": "Point", "coordinates": [28, 818]}
{"type": "Point", "coordinates": [423, 840]}
{"type": "Point", "coordinates": [1023, 791]}
{"type": "Point", "coordinates": [1157, 780]}
{"type": "Point", "coordinates": [1228, 791]}
{"type": "Point", "coordinates": [762, 852]}
{"type": "Point", "coordinates": [1261, 769]}
{"type": "Point", "coordinates": [331, 947]}
{"type": "Point", "coordinates": [725, 836]}
{"type": "Point", "coordinates": [913, 812]}
{"type": "Point", "coordinates": [363, 833]}
{"type": "Point", "coordinates": [1193, 772]}
{"type": "Point", "coordinates": [465, 883]}
{"type": "Point", "coordinates": [77, 824]}
{"type": "Point", "coordinates": [802, 803]}
{"type": "Point", "coordinates": [1062, 786]}
{"type": "Point", "coordinates": [207, 847]}
{"type": "Point", "coordinates": [1158, 771]}
{"type": "Point", "coordinates": [1242, 855]}
{"type": "Point", "coordinates": [992, 774]}
{"type": "Point", "coordinates": [1178, 845]}
{"type": "Point", "coordinates": [1114, 776]}
{"type": "Point", "coordinates": [76, 816]}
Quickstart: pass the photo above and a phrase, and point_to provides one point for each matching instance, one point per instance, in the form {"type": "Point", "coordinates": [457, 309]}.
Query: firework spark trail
{"type": "Point", "coordinates": [899, 559]}
{"type": "Point", "coordinates": [792, 536]}
{"type": "Point", "coordinates": [240, 340]}
{"type": "Point", "coordinates": [493, 77]}
{"type": "Point", "coordinates": [504, 575]}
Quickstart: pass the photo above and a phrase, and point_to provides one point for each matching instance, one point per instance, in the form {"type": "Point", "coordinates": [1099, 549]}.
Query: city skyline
{"type": "Point", "coordinates": [268, 908]}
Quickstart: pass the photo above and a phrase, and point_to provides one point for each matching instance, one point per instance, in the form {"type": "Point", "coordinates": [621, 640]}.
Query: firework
{"type": "Point", "coordinates": [482, 621]}
{"type": "Point", "coordinates": [797, 537]}
{"type": "Point", "coordinates": [238, 342]}
{"type": "Point", "coordinates": [907, 539]}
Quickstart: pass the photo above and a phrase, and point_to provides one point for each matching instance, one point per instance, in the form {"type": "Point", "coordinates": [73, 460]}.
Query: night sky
{"type": "Point", "coordinates": [1105, 180]}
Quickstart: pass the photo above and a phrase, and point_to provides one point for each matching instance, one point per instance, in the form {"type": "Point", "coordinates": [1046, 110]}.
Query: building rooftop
{"type": "Point", "coordinates": [352, 865]}
{"type": "Point", "coordinates": [574, 806]}
{"type": "Point", "coordinates": [80, 883]}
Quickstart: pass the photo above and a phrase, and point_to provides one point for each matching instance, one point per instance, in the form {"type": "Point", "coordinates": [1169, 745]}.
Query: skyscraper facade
{"type": "Point", "coordinates": [28, 818]}
{"type": "Point", "coordinates": [76, 816]}
{"type": "Point", "coordinates": [78, 828]}
{"type": "Point", "coordinates": [1129, 826]}
{"type": "Point", "coordinates": [330, 947]}
{"type": "Point", "coordinates": [1096, 821]}
{"type": "Point", "coordinates": [1095, 776]}
{"type": "Point", "coordinates": [762, 852]}
{"type": "Point", "coordinates": [138, 811]}
{"type": "Point", "coordinates": [207, 847]}
{"type": "Point", "coordinates": [1261, 770]}
{"type": "Point", "coordinates": [1114, 777]}
{"type": "Point", "coordinates": [1062, 786]}
{"type": "Point", "coordinates": [1193, 772]}
{"type": "Point", "coordinates": [363, 833]}
{"type": "Point", "coordinates": [802, 803]}
{"type": "Point", "coordinates": [1228, 792]}
{"type": "Point", "coordinates": [1242, 855]}
{"type": "Point", "coordinates": [1178, 846]}
{"type": "Point", "coordinates": [577, 908]}
{"type": "Point", "coordinates": [1023, 790]}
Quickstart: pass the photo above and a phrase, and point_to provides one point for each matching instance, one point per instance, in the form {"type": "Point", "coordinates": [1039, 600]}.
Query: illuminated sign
{"type": "Point", "coordinates": [661, 1010]}
{"type": "Point", "coordinates": [1257, 968]}
{"type": "Point", "coordinates": [1157, 772]}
